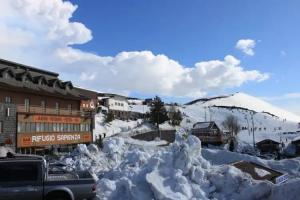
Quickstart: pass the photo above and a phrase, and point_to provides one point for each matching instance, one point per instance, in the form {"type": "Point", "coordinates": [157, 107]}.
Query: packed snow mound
{"type": "Point", "coordinates": [182, 170]}
{"type": "Point", "coordinates": [92, 159]}
{"type": "Point", "coordinates": [177, 172]}
{"type": "Point", "coordinates": [249, 102]}
{"type": "Point", "coordinates": [4, 151]}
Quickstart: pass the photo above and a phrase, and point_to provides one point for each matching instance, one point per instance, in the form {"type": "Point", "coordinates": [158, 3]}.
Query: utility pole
{"type": "Point", "coordinates": [248, 124]}
{"type": "Point", "coordinates": [205, 113]}
{"type": "Point", "coordinates": [253, 129]}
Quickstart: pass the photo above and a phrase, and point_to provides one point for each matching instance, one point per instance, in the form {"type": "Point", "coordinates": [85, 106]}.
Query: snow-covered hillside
{"type": "Point", "coordinates": [267, 119]}
{"type": "Point", "coordinates": [252, 103]}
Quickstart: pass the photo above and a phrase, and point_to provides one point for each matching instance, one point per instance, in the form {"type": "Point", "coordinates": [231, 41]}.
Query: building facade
{"type": "Point", "coordinates": [39, 112]}
{"type": "Point", "coordinates": [116, 104]}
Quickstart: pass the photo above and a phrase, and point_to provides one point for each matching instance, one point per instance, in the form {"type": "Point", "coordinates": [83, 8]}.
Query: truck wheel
{"type": "Point", "coordinates": [58, 196]}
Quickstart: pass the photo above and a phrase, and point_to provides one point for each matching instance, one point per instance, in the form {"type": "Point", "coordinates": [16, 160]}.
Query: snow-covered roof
{"type": "Point", "coordinates": [203, 125]}
{"type": "Point", "coordinates": [296, 138]}
{"type": "Point", "coordinates": [100, 98]}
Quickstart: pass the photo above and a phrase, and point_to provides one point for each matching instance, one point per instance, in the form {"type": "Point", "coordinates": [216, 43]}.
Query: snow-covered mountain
{"type": "Point", "coordinates": [267, 118]}
{"type": "Point", "coordinates": [249, 102]}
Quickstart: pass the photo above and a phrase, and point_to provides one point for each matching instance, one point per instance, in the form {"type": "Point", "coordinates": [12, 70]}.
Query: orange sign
{"type": "Point", "coordinates": [45, 139]}
{"type": "Point", "coordinates": [56, 119]}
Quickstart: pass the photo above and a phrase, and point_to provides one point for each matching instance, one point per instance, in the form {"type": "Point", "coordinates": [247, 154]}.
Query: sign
{"type": "Point", "coordinates": [55, 119]}
{"type": "Point", "coordinates": [281, 179]}
{"type": "Point", "coordinates": [45, 139]}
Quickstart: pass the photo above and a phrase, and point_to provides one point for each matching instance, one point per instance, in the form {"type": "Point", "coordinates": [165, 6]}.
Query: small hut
{"type": "Point", "coordinates": [268, 146]}
{"type": "Point", "coordinates": [296, 143]}
{"type": "Point", "coordinates": [209, 133]}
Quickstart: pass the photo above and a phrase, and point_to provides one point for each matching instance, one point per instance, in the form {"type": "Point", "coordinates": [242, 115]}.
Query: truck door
{"type": "Point", "coordinates": [21, 180]}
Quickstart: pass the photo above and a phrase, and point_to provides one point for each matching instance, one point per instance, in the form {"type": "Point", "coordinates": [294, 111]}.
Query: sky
{"type": "Point", "coordinates": [180, 50]}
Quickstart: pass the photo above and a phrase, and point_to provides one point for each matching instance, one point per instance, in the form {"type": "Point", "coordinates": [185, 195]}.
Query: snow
{"type": "Point", "coordinates": [4, 151]}
{"type": "Point", "coordinates": [281, 128]}
{"type": "Point", "coordinates": [252, 103]}
{"type": "Point", "coordinates": [261, 172]}
{"type": "Point", "coordinates": [139, 108]}
{"type": "Point", "coordinates": [115, 127]}
{"type": "Point", "coordinates": [183, 170]}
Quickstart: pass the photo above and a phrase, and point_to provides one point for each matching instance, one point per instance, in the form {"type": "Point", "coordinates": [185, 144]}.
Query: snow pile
{"type": "Point", "coordinates": [177, 172]}
{"type": "Point", "coordinates": [4, 151]}
{"type": "Point", "coordinates": [92, 159]}
{"type": "Point", "coordinates": [222, 157]}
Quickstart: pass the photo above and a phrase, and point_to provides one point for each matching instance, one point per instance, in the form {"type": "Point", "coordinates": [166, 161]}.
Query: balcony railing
{"type": "Point", "coordinates": [51, 111]}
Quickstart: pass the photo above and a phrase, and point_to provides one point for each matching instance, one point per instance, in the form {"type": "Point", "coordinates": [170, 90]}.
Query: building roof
{"type": "Point", "coordinates": [204, 125]}
{"type": "Point", "coordinates": [24, 67]}
{"type": "Point", "coordinates": [259, 172]}
{"type": "Point", "coordinates": [87, 93]}
{"type": "Point", "coordinates": [296, 139]}
{"type": "Point", "coordinates": [25, 78]}
{"type": "Point", "coordinates": [111, 95]}
{"type": "Point", "coordinates": [267, 141]}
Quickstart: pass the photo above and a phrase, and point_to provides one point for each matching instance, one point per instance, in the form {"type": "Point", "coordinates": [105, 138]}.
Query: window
{"type": "Point", "coordinates": [27, 127]}
{"type": "Point", "coordinates": [50, 127]}
{"type": "Point", "coordinates": [55, 127]}
{"type": "Point", "coordinates": [7, 99]}
{"type": "Point", "coordinates": [82, 127]}
{"type": "Point", "coordinates": [7, 75]}
{"type": "Point", "coordinates": [32, 127]}
{"type": "Point", "coordinates": [43, 106]}
{"type": "Point", "coordinates": [42, 127]}
{"type": "Point", "coordinates": [69, 127]}
{"type": "Point", "coordinates": [7, 112]}
{"type": "Point", "coordinates": [26, 104]}
{"type": "Point", "coordinates": [87, 127]}
{"type": "Point", "coordinates": [38, 127]}
{"type": "Point", "coordinates": [1, 127]}
{"type": "Point", "coordinates": [20, 171]}
{"type": "Point", "coordinates": [70, 108]}
{"type": "Point", "coordinates": [21, 127]}
{"type": "Point", "coordinates": [65, 129]}
{"type": "Point", "coordinates": [57, 108]}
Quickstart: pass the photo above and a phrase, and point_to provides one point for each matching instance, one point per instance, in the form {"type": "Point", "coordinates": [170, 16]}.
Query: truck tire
{"type": "Point", "coordinates": [58, 196]}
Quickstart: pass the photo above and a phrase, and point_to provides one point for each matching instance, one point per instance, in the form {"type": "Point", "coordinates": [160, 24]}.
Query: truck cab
{"type": "Point", "coordinates": [27, 177]}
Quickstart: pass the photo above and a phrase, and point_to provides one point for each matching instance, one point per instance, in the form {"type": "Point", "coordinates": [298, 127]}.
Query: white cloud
{"type": "Point", "coordinates": [39, 32]}
{"type": "Point", "coordinates": [246, 45]}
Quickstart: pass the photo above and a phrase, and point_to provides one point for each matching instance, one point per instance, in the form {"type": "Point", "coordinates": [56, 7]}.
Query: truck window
{"type": "Point", "coordinates": [20, 171]}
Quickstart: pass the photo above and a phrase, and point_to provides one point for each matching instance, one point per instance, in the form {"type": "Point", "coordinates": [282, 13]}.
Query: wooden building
{"type": "Point", "coordinates": [296, 143]}
{"type": "Point", "coordinates": [209, 133]}
{"type": "Point", "coordinates": [268, 146]}
{"type": "Point", "coordinates": [46, 111]}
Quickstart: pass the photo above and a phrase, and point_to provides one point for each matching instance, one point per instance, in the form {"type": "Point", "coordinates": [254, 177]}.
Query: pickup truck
{"type": "Point", "coordinates": [31, 178]}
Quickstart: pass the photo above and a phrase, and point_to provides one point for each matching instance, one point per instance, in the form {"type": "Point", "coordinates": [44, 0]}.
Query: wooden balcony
{"type": "Point", "coordinates": [51, 111]}
{"type": "Point", "coordinates": [211, 137]}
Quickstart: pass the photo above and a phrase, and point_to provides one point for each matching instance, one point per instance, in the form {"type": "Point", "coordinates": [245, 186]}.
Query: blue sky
{"type": "Point", "coordinates": [187, 32]}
